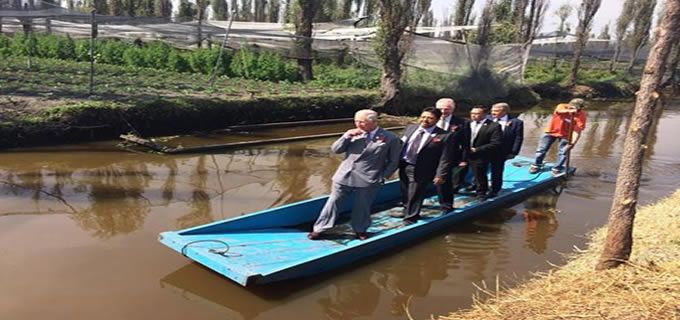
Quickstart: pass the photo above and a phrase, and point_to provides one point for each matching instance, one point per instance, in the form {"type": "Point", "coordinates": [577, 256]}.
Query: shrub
{"type": "Point", "coordinates": [177, 62]}
{"type": "Point", "coordinates": [134, 57]}
{"type": "Point", "coordinates": [263, 66]}
{"type": "Point", "coordinates": [112, 51]}
{"type": "Point", "coordinates": [156, 54]}
{"type": "Point", "coordinates": [349, 77]}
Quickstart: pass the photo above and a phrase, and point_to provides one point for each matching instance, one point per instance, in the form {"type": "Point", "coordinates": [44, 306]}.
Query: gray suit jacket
{"type": "Point", "coordinates": [366, 162]}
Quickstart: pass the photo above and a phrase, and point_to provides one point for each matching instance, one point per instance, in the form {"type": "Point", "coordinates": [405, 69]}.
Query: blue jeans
{"type": "Point", "coordinates": [543, 147]}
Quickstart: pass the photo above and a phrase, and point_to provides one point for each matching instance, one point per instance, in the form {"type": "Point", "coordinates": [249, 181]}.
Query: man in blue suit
{"type": "Point", "coordinates": [371, 156]}
{"type": "Point", "coordinates": [513, 136]}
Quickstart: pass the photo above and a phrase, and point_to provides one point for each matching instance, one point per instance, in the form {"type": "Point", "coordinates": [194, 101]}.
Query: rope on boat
{"type": "Point", "coordinates": [222, 251]}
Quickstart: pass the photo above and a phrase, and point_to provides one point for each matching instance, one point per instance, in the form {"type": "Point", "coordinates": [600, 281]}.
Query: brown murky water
{"type": "Point", "coordinates": [78, 228]}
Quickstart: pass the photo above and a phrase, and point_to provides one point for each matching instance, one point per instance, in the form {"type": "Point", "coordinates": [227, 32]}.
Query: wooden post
{"type": "Point", "coordinates": [224, 44]}
{"type": "Point", "coordinates": [93, 35]}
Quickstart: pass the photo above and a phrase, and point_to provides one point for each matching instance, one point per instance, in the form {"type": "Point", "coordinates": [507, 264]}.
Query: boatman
{"type": "Point", "coordinates": [560, 128]}
{"type": "Point", "coordinates": [371, 156]}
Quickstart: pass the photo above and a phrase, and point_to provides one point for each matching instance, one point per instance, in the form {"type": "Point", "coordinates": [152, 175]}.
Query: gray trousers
{"type": "Point", "coordinates": [361, 210]}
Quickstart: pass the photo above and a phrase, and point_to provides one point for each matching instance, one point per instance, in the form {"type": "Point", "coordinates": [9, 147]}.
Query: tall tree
{"type": "Point", "coordinates": [537, 10]}
{"type": "Point", "coordinates": [233, 6]}
{"type": "Point", "coordinates": [246, 10]}
{"type": "Point", "coordinates": [484, 33]}
{"type": "Point", "coordinates": [116, 7]}
{"type": "Point", "coordinates": [519, 17]}
{"type": "Point", "coordinates": [221, 9]}
{"type": "Point", "coordinates": [201, 6]}
{"type": "Point", "coordinates": [563, 13]}
{"type": "Point", "coordinates": [586, 13]}
{"type": "Point", "coordinates": [392, 44]}
{"type": "Point", "coordinates": [619, 241]}
{"type": "Point", "coordinates": [273, 10]}
{"type": "Point", "coordinates": [622, 24]}
{"type": "Point", "coordinates": [259, 10]}
{"type": "Point", "coordinates": [642, 22]}
{"type": "Point", "coordinates": [462, 13]}
{"type": "Point", "coordinates": [604, 34]}
{"type": "Point", "coordinates": [304, 12]}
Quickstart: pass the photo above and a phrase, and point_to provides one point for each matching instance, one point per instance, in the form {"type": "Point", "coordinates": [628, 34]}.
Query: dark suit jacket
{"type": "Point", "coordinates": [487, 142]}
{"type": "Point", "coordinates": [433, 158]}
{"type": "Point", "coordinates": [456, 126]}
{"type": "Point", "coordinates": [513, 136]}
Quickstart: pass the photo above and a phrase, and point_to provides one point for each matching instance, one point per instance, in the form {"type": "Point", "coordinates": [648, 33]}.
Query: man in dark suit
{"type": "Point", "coordinates": [513, 136]}
{"type": "Point", "coordinates": [424, 160]}
{"type": "Point", "coordinates": [456, 176]}
{"type": "Point", "coordinates": [482, 139]}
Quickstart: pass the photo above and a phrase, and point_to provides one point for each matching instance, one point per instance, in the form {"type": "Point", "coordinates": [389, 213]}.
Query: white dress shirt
{"type": "Point", "coordinates": [503, 121]}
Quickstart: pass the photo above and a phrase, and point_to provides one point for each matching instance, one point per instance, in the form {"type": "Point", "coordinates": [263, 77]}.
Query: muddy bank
{"type": "Point", "coordinates": [71, 121]}
{"type": "Point", "coordinates": [598, 90]}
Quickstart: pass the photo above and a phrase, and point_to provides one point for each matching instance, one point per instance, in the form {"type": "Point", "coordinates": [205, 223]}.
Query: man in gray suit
{"type": "Point", "coordinates": [371, 156]}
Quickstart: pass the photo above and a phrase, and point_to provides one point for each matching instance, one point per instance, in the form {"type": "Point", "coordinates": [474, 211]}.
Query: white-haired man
{"type": "Point", "coordinates": [371, 156]}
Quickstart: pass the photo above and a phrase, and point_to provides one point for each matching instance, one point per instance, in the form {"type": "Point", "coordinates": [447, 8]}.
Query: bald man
{"type": "Point", "coordinates": [456, 175]}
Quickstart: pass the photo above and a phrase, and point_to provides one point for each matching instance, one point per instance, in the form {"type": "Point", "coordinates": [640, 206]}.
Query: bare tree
{"type": "Point", "coordinates": [484, 34]}
{"type": "Point", "coordinates": [304, 12]}
{"type": "Point", "coordinates": [392, 44]}
{"type": "Point", "coordinates": [622, 24]}
{"type": "Point", "coordinates": [586, 13]}
{"type": "Point", "coordinates": [673, 67]}
{"type": "Point", "coordinates": [518, 17]}
{"type": "Point", "coordinates": [642, 22]}
{"type": "Point", "coordinates": [537, 9]}
{"type": "Point", "coordinates": [462, 13]}
{"type": "Point", "coordinates": [604, 34]}
{"type": "Point", "coordinates": [619, 241]}
{"type": "Point", "coordinates": [563, 13]}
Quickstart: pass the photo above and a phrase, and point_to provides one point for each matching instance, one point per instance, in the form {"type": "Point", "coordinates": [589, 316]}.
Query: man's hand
{"type": "Point", "coordinates": [568, 147]}
{"type": "Point", "coordinates": [473, 150]}
{"type": "Point", "coordinates": [437, 181]}
{"type": "Point", "coordinates": [462, 164]}
{"type": "Point", "coordinates": [354, 132]}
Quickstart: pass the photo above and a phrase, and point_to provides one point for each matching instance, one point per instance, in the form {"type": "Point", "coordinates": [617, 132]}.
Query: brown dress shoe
{"type": "Point", "coordinates": [314, 235]}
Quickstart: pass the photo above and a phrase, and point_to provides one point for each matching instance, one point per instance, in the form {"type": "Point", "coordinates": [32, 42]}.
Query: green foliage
{"type": "Point", "coordinates": [112, 51]}
{"type": "Point", "coordinates": [261, 66]}
{"type": "Point", "coordinates": [177, 62]}
{"type": "Point", "coordinates": [5, 46]}
{"type": "Point", "coordinates": [156, 54]}
{"type": "Point", "coordinates": [134, 57]}
{"type": "Point", "coordinates": [348, 77]}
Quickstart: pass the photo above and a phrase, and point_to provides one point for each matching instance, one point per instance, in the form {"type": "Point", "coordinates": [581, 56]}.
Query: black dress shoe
{"type": "Point", "coordinates": [362, 236]}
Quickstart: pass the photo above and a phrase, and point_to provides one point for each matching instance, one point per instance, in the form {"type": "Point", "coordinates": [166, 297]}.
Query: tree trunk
{"type": "Point", "coordinates": [303, 41]}
{"type": "Point", "coordinates": [576, 62]}
{"type": "Point", "coordinates": [673, 67]}
{"type": "Point", "coordinates": [615, 58]}
{"type": "Point", "coordinates": [390, 80]}
{"type": "Point", "coordinates": [619, 242]}
{"type": "Point", "coordinates": [631, 63]}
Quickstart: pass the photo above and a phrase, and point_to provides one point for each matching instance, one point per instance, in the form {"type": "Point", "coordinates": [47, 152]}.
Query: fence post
{"type": "Point", "coordinates": [93, 35]}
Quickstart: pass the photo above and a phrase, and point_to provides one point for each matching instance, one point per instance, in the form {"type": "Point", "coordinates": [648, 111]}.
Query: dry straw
{"type": "Point", "coordinates": [647, 287]}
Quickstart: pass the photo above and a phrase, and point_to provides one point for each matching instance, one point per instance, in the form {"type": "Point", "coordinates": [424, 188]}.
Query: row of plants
{"type": "Point", "coordinates": [244, 63]}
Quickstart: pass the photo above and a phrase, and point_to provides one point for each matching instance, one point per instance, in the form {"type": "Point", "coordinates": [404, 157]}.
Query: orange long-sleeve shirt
{"type": "Point", "coordinates": [560, 123]}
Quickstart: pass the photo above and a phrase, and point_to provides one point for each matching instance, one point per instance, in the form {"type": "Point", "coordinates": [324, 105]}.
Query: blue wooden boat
{"type": "Point", "coordinates": [272, 245]}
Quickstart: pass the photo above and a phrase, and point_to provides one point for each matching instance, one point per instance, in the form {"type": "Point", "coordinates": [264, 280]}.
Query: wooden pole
{"type": "Point", "coordinates": [93, 35]}
{"type": "Point", "coordinates": [224, 44]}
{"type": "Point", "coordinates": [571, 136]}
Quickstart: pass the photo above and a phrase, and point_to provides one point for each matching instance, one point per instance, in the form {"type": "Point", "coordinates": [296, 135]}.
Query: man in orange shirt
{"type": "Point", "coordinates": [559, 128]}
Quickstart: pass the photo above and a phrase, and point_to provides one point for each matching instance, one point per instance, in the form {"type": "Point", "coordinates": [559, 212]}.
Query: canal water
{"type": "Point", "coordinates": [79, 226]}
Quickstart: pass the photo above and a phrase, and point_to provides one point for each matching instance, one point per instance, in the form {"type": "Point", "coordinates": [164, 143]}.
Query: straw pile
{"type": "Point", "coordinates": [648, 287]}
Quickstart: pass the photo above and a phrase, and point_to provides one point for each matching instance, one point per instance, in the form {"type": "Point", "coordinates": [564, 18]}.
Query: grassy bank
{"type": "Point", "coordinates": [549, 78]}
{"type": "Point", "coordinates": [50, 103]}
{"type": "Point", "coordinates": [646, 288]}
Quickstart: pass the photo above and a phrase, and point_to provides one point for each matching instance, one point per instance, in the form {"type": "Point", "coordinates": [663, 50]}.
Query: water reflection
{"type": "Point", "coordinates": [540, 216]}
{"type": "Point", "coordinates": [121, 201]}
